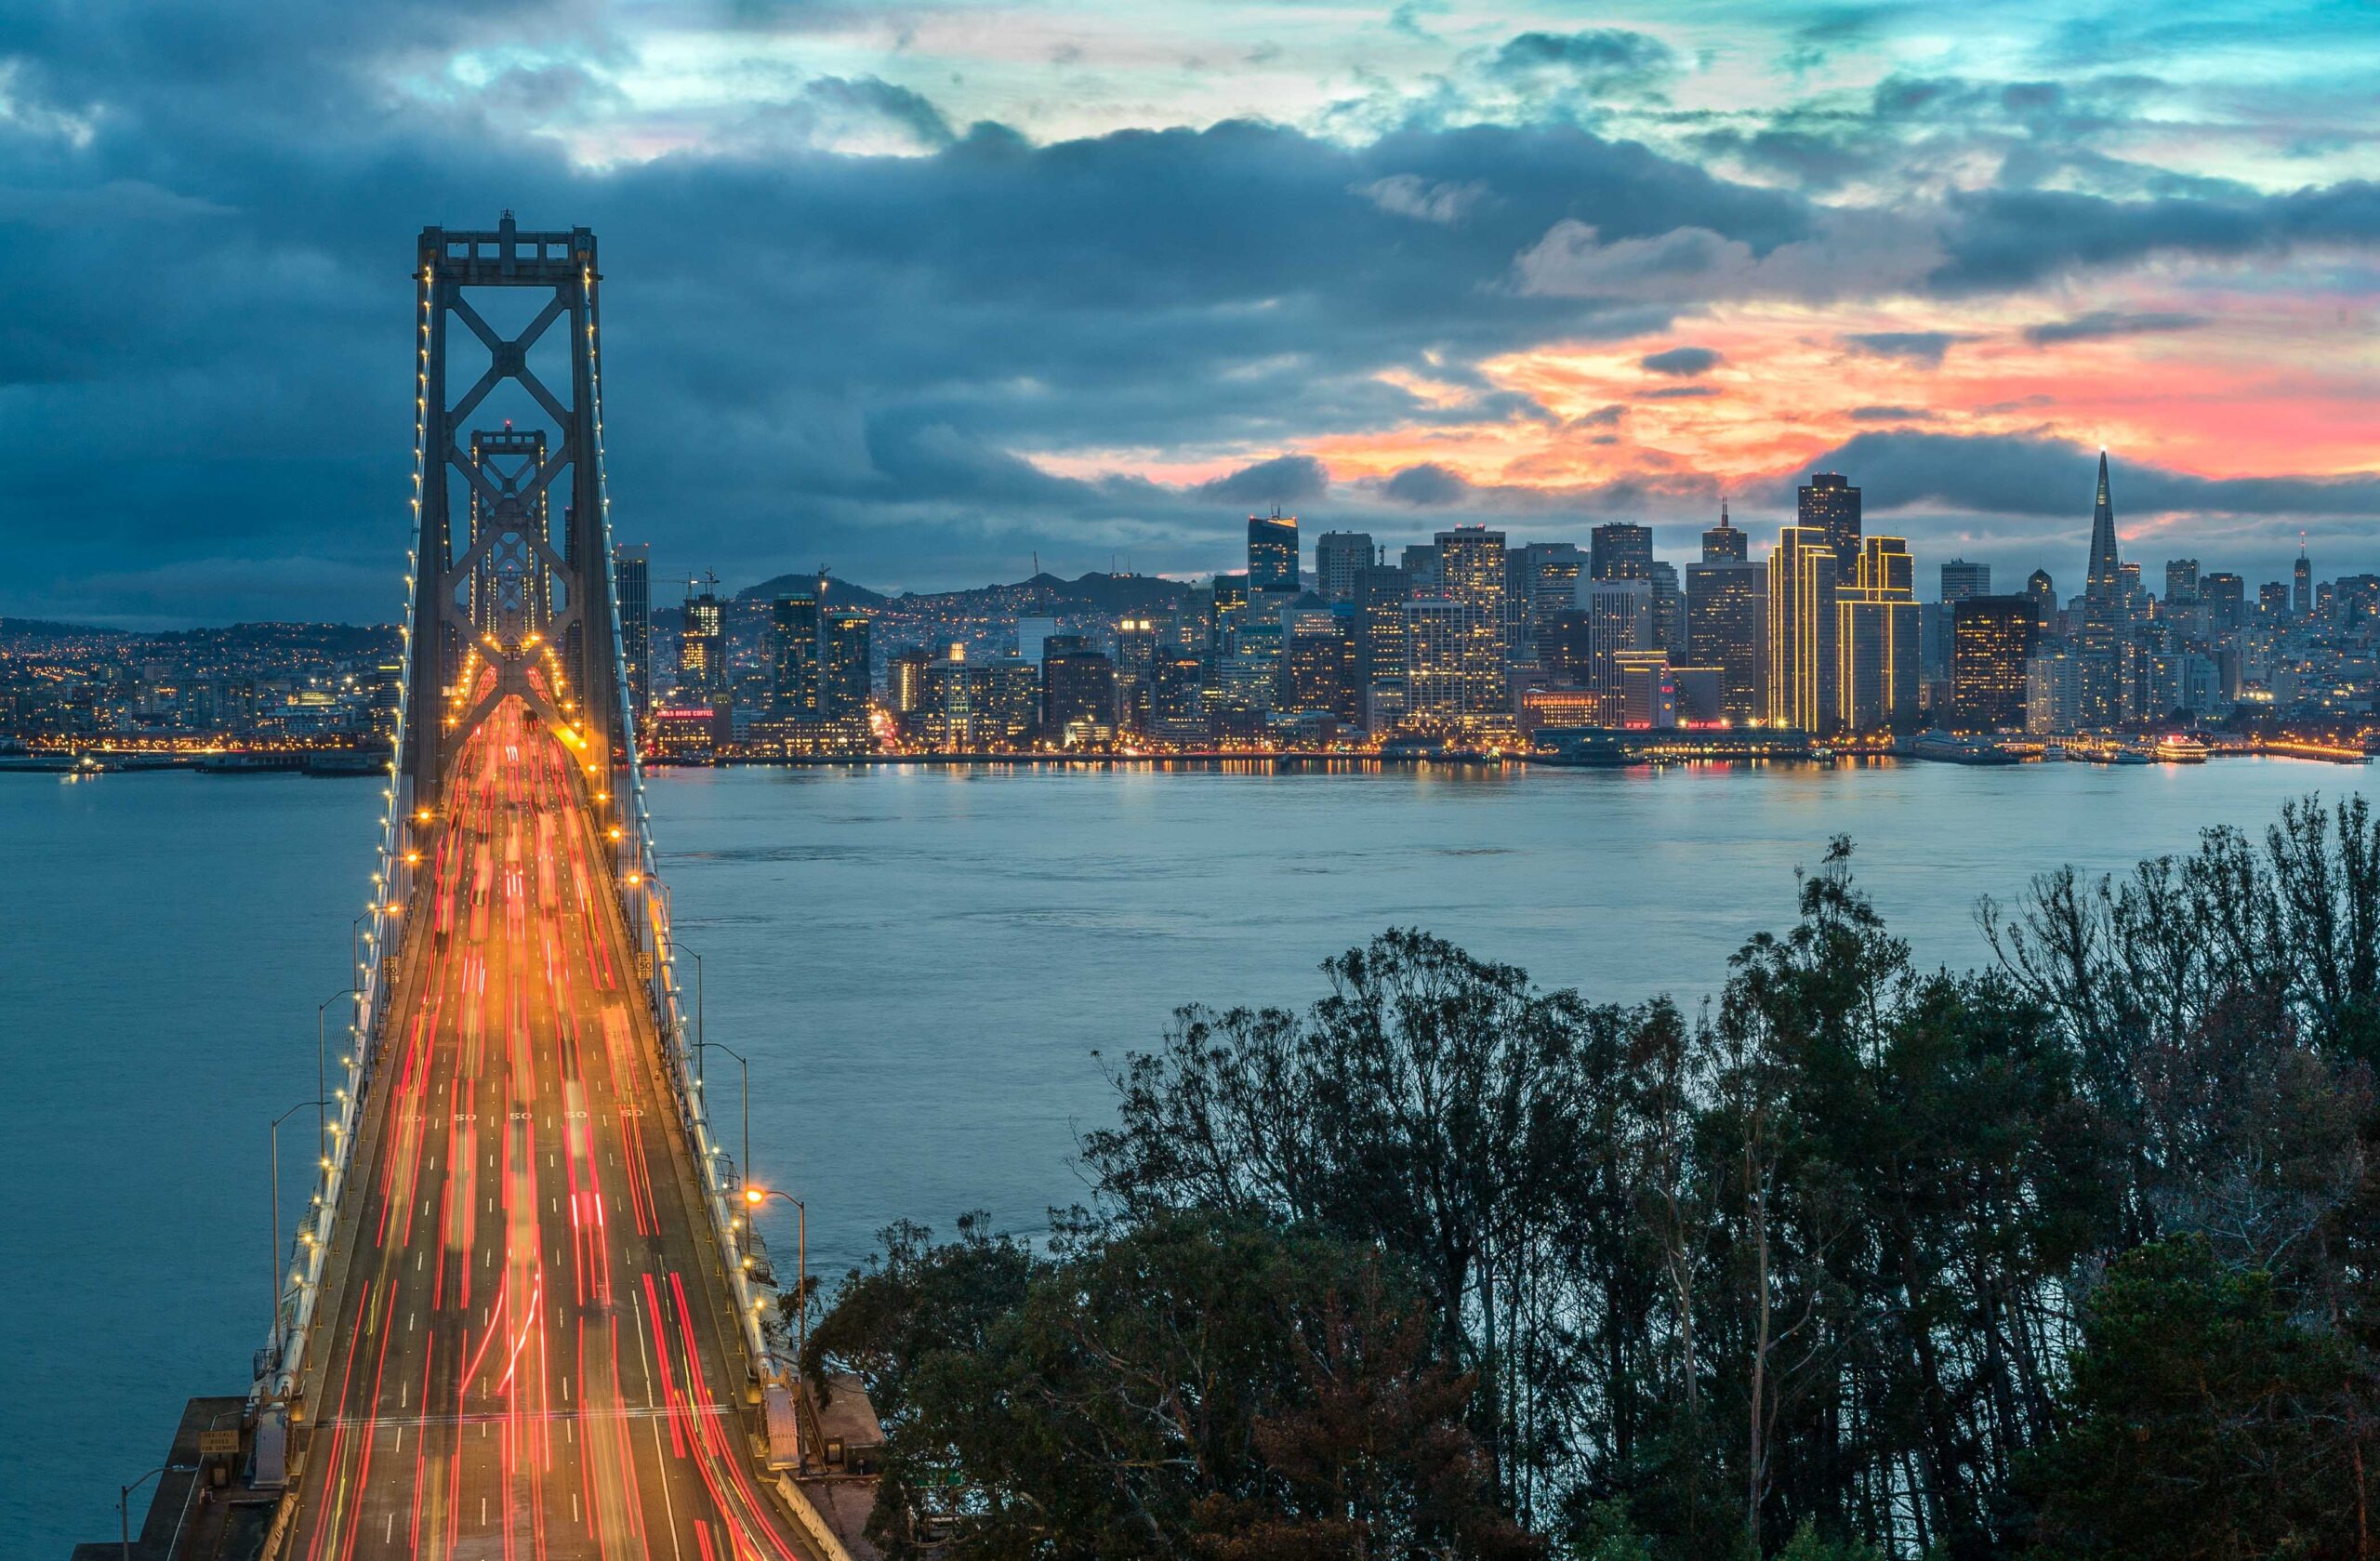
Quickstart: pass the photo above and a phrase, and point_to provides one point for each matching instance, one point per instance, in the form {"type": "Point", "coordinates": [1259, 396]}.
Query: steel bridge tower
{"type": "Point", "coordinates": [564, 658]}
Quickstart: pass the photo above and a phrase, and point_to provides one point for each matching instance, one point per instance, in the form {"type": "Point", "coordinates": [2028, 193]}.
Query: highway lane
{"type": "Point", "coordinates": [524, 1351]}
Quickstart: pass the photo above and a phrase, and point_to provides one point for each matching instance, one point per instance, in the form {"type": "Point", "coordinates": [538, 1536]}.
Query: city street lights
{"type": "Point", "coordinates": [680, 948]}
{"type": "Point", "coordinates": [753, 1198]}
{"type": "Point", "coordinates": [321, 1075]}
{"type": "Point", "coordinates": [743, 1166]}
{"type": "Point", "coordinates": [276, 1220]}
{"type": "Point", "coordinates": [124, 1504]}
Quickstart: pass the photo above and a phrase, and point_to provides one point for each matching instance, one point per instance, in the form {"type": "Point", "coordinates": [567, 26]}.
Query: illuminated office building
{"type": "Point", "coordinates": [1621, 550]}
{"type": "Point", "coordinates": [702, 650]}
{"type": "Point", "coordinates": [1725, 543]}
{"type": "Point", "coordinates": [1338, 555]}
{"type": "Point", "coordinates": [1801, 632]}
{"type": "Point", "coordinates": [1437, 636]}
{"type": "Point", "coordinates": [1727, 627]}
{"type": "Point", "coordinates": [632, 595]}
{"type": "Point", "coordinates": [1828, 505]}
{"type": "Point", "coordinates": [1471, 573]}
{"type": "Point", "coordinates": [1272, 552]}
{"type": "Point", "coordinates": [1877, 634]}
{"type": "Point", "coordinates": [1992, 638]}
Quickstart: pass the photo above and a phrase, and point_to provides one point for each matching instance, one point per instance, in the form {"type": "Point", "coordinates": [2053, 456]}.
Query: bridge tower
{"type": "Point", "coordinates": [506, 602]}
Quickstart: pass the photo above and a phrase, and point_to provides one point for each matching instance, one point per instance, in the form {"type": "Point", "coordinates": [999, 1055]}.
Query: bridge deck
{"type": "Point", "coordinates": [526, 1347]}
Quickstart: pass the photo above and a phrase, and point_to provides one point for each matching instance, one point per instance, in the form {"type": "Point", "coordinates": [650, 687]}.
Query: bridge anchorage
{"type": "Point", "coordinates": [526, 1306]}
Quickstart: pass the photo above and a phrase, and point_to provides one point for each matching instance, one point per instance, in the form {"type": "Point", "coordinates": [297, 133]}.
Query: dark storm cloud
{"type": "Point", "coordinates": [1427, 484]}
{"type": "Point", "coordinates": [1282, 480]}
{"type": "Point", "coordinates": [1599, 58]}
{"type": "Point", "coordinates": [2103, 323]}
{"type": "Point", "coordinates": [2035, 475]}
{"type": "Point", "coordinates": [2006, 238]}
{"type": "Point", "coordinates": [1682, 362]}
{"type": "Point", "coordinates": [1918, 347]}
{"type": "Point", "coordinates": [803, 349]}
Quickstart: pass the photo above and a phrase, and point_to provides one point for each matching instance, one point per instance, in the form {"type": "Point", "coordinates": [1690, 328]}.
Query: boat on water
{"type": "Point", "coordinates": [1946, 747]}
{"type": "Point", "coordinates": [1588, 750]}
{"type": "Point", "coordinates": [2053, 753]}
{"type": "Point", "coordinates": [2182, 748]}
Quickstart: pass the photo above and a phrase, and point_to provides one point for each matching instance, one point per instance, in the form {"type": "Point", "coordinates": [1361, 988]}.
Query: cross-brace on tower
{"type": "Point", "coordinates": [566, 666]}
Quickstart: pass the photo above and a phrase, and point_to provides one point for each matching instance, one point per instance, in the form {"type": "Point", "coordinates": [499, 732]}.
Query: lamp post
{"type": "Point", "coordinates": [321, 1075]}
{"type": "Point", "coordinates": [123, 1505]}
{"type": "Point", "coordinates": [276, 1221]}
{"type": "Point", "coordinates": [753, 1198]}
{"type": "Point", "coordinates": [743, 1166]}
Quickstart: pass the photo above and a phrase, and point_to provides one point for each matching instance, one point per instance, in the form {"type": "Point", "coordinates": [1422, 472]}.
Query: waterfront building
{"type": "Point", "coordinates": [1876, 634]}
{"type": "Point", "coordinates": [904, 680]}
{"type": "Point", "coordinates": [1318, 666]}
{"type": "Point", "coordinates": [2053, 691]}
{"type": "Point", "coordinates": [1647, 693]}
{"type": "Point", "coordinates": [1471, 573]}
{"type": "Point", "coordinates": [1177, 697]}
{"type": "Point", "coordinates": [1077, 694]}
{"type": "Point", "coordinates": [1621, 550]}
{"type": "Point", "coordinates": [1138, 637]}
{"type": "Point", "coordinates": [1273, 552]}
{"type": "Point", "coordinates": [1437, 685]}
{"type": "Point", "coordinates": [1338, 555]}
{"type": "Point", "coordinates": [1727, 625]}
{"type": "Point", "coordinates": [1542, 579]}
{"type": "Point", "coordinates": [793, 627]}
{"type": "Point", "coordinates": [1802, 662]}
{"type": "Point", "coordinates": [1992, 638]}
{"type": "Point", "coordinates": [1619, 623]}
{"type": "Point", "coordinates": [632, 597]}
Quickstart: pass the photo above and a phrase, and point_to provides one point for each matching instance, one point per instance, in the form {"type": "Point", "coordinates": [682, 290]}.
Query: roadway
{"type": "Point", "coordinates": [527, 1348]}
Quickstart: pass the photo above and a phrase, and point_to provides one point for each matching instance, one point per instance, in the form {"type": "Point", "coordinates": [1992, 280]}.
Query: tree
{"type": "Point", "coordinates": [2207, 1423]}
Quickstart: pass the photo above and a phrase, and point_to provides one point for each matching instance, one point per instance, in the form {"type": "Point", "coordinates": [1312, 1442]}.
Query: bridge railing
{"type": "Point", "coordinates": [300, 1290]}
{"type": "Point", "coordinates": [647, 909]}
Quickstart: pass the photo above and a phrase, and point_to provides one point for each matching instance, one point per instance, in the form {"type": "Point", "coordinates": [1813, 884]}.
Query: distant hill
{"type": "Point", "coordinates": [839, 592]}
{"type": "Point", "coordinates": [1086, 593]}
{"type": "Point", "coordinates": [44, 629]}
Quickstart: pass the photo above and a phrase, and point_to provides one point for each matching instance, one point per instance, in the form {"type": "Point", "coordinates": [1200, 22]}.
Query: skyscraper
{"type": "Point", "coordinates": [1723, 543]}
{"type": "Point", "coordinates": [1272, 552]}
{"type": "Point", "coordinates": [2301, 600]}
{"type": "Point", "coordinates": [2105, 615]}
{"type": "Point", "coordinates": [1828, 505]}
{"type": "Point", "coordinates": [632, 595]}
{"type": "Point", "coordinates": [793, 623]}
{"type": "Point", "coordinates": [1381, 591]}
{"type": "Point", "coordinates": [1727, 627]}
{"type": "Point", "coordinates": [1436, 632]}
{"type": "Point", "coordinates": [702, 653]}
{"type": "Point", "coordinates": [1471, 571]}
{"type": "Point", "coordinates": [845, 675]}
{"type": "Point", "coordinates": [2103, 583]}
{"type": "Point", "coordinates": [1992, 639]}
{"type": "Point", "coordinates": [1876, 632]}
{"type": "Point", "coordinates": [1620, 622]}
{"type": "Point", "coordinates": [2181, 582]}
{"type": "Point", "coordinates": [1337, 556]}
{"type": "Point", "coordinates": [1621, 550]}
{"type": "Point", "coordinates": [1801, 631]}
{"type": "Point", "coordinates": [2226, 596]}
{"type": "Point", "coordinates": [2042, 591]}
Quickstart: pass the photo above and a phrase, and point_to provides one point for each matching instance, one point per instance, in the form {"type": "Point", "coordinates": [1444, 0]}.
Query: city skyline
{"type": "Point", "coordinates": [1098, 284]}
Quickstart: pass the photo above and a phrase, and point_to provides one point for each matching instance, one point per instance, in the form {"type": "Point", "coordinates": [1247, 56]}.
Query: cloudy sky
{"type": "Point", "coordinates": [919, 290]}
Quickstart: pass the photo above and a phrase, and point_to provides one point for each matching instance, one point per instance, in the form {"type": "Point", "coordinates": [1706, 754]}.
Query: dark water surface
{"type": "Point", "coordinates": [919, 962]}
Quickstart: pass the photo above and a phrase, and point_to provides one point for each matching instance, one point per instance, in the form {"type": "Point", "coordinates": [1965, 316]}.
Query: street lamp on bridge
{"type": "Point", "coordinates": [276, 1219]}
{"type": "Point", "coordinates": [755, 1196]}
